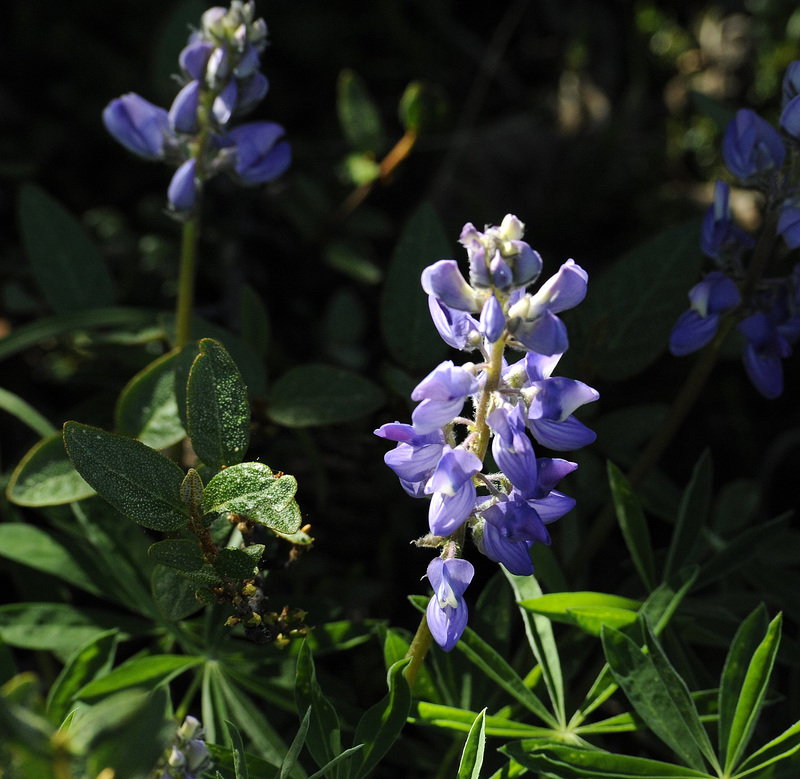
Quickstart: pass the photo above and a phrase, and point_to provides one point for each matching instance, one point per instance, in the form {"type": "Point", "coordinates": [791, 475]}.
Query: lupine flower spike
{"type": "Point", "coordinates": [221, 82]}
{"type": "Point", "coordinates": [440, 455]}
{"type": "Point", "coordinates": [766, 309]}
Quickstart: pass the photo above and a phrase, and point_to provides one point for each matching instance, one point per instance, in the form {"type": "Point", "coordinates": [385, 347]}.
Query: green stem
{"type": "Point", "coordinates": [420, 645]}
{"type": "Point", "coordinates": [186, 274]}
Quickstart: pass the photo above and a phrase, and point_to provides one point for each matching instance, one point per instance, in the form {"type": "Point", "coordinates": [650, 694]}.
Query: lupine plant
{"type": "Point", "coordinates": [180, 607]}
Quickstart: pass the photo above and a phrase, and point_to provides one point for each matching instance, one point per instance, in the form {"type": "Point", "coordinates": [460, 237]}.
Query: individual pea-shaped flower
{"type": "Point", "coordinates": [751, 146]}
{"type": "Point", "coordinates": [709, 298]}
{"type": "Point", "coordinates": [138, 125]}
{"type": "Point", "coordinates": [444, 281]}
{"type": "Point", "coordinates": [442, 393]}
{"type": "Point", "coordinates": [791, 82]}
{"type": "Point", "coordinates": [182, 190]}
{"type": "Point", "coordinates": [533, 317]}
{"type": "Point", "coordinates": [493, 320]}
{"type": "Point", "coordinates": [254, 152]}
{"type": "Point", "coordinates": [719, 235]}
{"type": "Point", "coordinates": [457, 328]}
{"type": "Point", "coordinates": [415, 457]}
{"type": "Point", "coordinates": [447, 611]}
{"type": "Point", "coordinates": [512, 449]}
{"type": "Point", "coordinates": [183, 112]}
{"type": "Point", "coordinates": [452, 490]}
{"type": "Point", "coordinates": [763, 352]}
{"type": "Point", "coordinates": [789, 223]}
{"type": "Point", "coordinates": [552, 401]}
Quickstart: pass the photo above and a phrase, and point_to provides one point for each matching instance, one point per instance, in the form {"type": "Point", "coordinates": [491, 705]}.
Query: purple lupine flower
{"type": "Point", "coordinates": [193, 59]}
{"type": "Point", "coordinates": [257, 155]}
{"type": "Point", "coordinates": [138, 125]}
{"type": "Point", "coordinates": [763, 352]}
{"type": "Point", "coordinates": [789, 224]}
{"type": "Point", "coordinates": [442, 393]}
{"type": "Point", "coordinates": [709, 298]}
{"type": "Point", "coordinates": [182, 191]}
{"type": "Point", "coordinates": [791, 82]}
{"type": "Point", "coordinates": [751, 146]}
{"type": "Point", "coordinates": [790, 118]}
{"type": "Point", "coordinates": [457, 328]}
{"type": "Point", "coordinates": [553, 403]}
{"type": "Point", "coordinates": [225, 102]}
{"type": "Point", "coordinates": [252, 91]}
{"type": "Point", "coordinates": [447, 611]}
{"type": "Point", "coordinates": [183, 112]}
{"type": "Point", "coordinates": [415, 457]}
{"type": "Point", "coordinates": [452, 490]}
{"type": "Point", "coordinates": [444, 281]}
{"type": "Point", "coordinates": [719, 234]}
{"type": "Point", "coordinates": [512, 449]}
{"type": "Point", "coordinates": [538, 328]}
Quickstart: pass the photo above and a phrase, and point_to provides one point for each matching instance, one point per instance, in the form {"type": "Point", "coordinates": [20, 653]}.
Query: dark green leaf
{"type": "Point", "coordinates": [462, 720]}
{"type": "Point", "coordinates": [692, 516]}
{"type": "Point", "coordinates": [90, 661]}
{"type": "Point", "coordinates": [405, 319]}
{"type": "Point", "coordinates": [570, 762]}
{"type": "Point", "coordinates": [324, 738]}
{"type": "Point", "coordinates": [173, 594]}
{"type": "Point", "coordinates": [148, 671]}
{"type": "Point", "coordinates": [294, 750]}
{"type": "Point", "coordinates": [44, 552]}
{"type": "Point", "coordinates": [251, 489]}
{"type": "Point", "coordinates": [238, 563]}
{"type": "Point", "coordinates": [234, 739]}
{"type": "Point", "coordinates": [46, 477]}
{"type": "Point", "coordinates": [217, 407]}
{"type": "Point", "coordinates": [68, 268]}
{"type": "Point", "coordinates": [472, 754]}
{"type": "Point", "coordinates": [660, 702]}
{"type": "Point", "coordinates": [623, 325]}
{"type": "Point", "coordinates": [25, 413]}
{"type": "Point", "coordinates": [633, 524]}
{"type": "Point", "coordinates": [181, 553]}
{"type": "Point", "coordinates": [788, 743]}
{"type": "Point", "coordinates": [422, 107]}
{"type": "Point", "coordinates": [147, 408]}
{"type": "Point", "coordinates": [380, 726]}
{"type": "Point", "coordinates": [254, 321]}
{"type": "Point", "coordinates": [358, 116]}
{"type": "Point", "coordinates": [753, 687]}
{"type": "Point", "coordinates": [135, 479]}
{"type": "Point", "coordinates": [541, 639]}
{"type": "Point", "coordinates": [321, 395]}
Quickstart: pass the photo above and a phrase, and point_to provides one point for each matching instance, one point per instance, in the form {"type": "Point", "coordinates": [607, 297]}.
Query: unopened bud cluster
{"type": "Point", "coordinates": [768, 313]}
{"type": "Point", "coordinates": [221, 81]}
{"type": "Point", "coordinates": [440, 455]}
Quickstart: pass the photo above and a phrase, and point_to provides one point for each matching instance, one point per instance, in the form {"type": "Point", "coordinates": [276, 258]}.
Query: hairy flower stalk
{"type": "Point", "coordinates": [221, 82]}
{"type": "Point", "coordinates": [441, 454]}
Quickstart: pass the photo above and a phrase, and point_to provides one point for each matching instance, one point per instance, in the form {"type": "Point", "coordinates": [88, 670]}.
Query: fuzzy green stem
{"type": "Point", "coordinates": [420, 645]}
{"type": "Point", "coordinates": [186, 274]}
{"type": "Point", "coordinates": [493, 373]}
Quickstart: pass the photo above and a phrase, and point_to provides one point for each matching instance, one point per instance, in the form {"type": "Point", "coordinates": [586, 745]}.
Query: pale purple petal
{"type": "Point", "coordinates": [443, 279]}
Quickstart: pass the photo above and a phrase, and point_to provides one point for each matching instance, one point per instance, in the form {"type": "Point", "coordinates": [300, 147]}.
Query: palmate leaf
{"type": "Point", "coordinates": [633, 524]}
{"type": "Point", "coordinates": [658, 694]}
{"type": "Point", "coordinates": [744, 684]}
{"type": "Point", "coordinates": [568, 762]}
{"type": "Point", "coordinates": [324, 737]}
{"type": "Point", "coordinates": [472, 754]}
{"type": "Point", "coordinates": [381, 724]}
{"type": "Point", "coordinates": [539, 631]}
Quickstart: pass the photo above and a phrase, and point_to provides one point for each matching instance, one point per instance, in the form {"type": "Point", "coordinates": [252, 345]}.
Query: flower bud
{"type": "Point", "coordinates": [182, 191]}
{"type": "Point", "coordinates": [751, 146]}
{"type": "Point", "coordinates": [138, 125]}
{"type": "Point", "coordinates": [183, 112]}
{"type": "Point", "coordinates": [213, 20]}
{"type": "Point", "coordinates": [193, 59]}
{"type": "Point", "coordinates": [258, 157]}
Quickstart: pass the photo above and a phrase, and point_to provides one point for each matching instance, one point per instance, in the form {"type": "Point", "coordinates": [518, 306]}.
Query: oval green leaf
{"type": "Point", "coordinates": [46, 477]}
{"type": "Point", "coordinates": [253, 490]}
{"type": "Point", "coordinates": [217, 407]}
{"type": "Point", "coordinates": [321, 395]}
{"type": "Point", "coordinates": [238, 563]}
{"type": "Point", "coordinates": [139, 482]}
{"type": "Point", "coordinates": [181, 553]}
{"type": "Point", "coordinates": [68, 268]}
{"type": "Point", "coordinates": [147, 408]}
